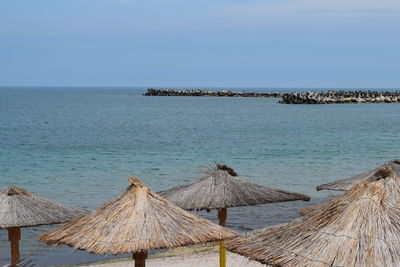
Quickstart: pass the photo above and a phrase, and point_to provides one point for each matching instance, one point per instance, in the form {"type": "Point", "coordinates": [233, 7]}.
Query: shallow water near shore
{"type": "Point", "coordinates": [78, 146]}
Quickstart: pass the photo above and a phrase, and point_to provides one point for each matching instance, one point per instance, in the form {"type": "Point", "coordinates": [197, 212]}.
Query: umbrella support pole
{"type": "Point", "coordinates": [14, 235]}
{"type": "Point", "coordinates": [222, 254]}
{"type": "Point", "coordinates": [222, 214]}
{"type": "Point", "coordinates": [140, 258]}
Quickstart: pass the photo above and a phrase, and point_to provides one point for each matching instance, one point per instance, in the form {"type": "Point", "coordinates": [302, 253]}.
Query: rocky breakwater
{"type": "Point", "coordinates": [340, 97]}
{"type": "Point", "coordinates": [199, 92]}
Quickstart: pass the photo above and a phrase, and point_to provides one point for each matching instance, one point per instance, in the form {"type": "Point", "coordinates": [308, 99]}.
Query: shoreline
{"type": "Point", "coordinates": [202, 256]}
{"type": "Point", "coordinates": [209, 247]}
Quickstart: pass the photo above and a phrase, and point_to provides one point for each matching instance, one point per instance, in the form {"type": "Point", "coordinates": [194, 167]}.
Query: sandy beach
{"type": "Point", "coordinates": [206, 259]}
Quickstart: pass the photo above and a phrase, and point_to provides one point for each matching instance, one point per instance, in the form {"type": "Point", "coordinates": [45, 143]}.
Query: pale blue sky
{"type": "Point", "coordinates": [200, 43]}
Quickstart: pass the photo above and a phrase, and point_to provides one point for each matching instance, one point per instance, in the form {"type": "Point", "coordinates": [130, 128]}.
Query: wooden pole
{"type": "Point", "coordinates": [222, 214]}
{"type": "Point", "coordinates": [140, 258]}
{"type": "Point", "coordinates": [14, 235]}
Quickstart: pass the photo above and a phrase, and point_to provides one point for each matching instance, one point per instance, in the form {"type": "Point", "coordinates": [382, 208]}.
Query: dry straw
{"type": "Point", "coordinates": [221, 189]}
{"type": "Point", "coordinates": [136, 221]}
{"type": "Point", "coordinates": [359, 228]}
{"type": "Point", "coordinates": [346, 184]}
{"type": "Point", "coordinates": [20, 208]}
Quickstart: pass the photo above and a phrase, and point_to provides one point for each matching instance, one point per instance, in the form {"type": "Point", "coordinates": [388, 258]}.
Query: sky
{"type": "Point", "coordinates": [200, 43]}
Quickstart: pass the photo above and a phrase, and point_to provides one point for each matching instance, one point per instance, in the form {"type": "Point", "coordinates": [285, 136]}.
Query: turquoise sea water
{"type": "Point", "coordinates": [78, 146]}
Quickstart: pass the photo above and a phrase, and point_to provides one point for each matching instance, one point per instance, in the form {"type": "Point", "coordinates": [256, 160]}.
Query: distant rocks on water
{"type": "Point", "coordinates": [340, 97]}
{"type": "Point", "coordinates": [199, 92]}
{"type": "Point", "coordinates": [327, 97]}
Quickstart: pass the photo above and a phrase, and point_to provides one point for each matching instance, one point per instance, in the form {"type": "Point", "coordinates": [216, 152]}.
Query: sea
{"type": "Point", "coordinates": [78, 146]}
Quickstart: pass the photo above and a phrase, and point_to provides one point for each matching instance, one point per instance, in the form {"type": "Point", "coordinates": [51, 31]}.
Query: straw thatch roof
{"type": "Point", "coordinates": [309, 209]}
{"type": "Point", "coordinates": [137, 220]}
{"type": "Point", "coordinates": [220, 189]}
{"type": "Point", "coordinates": [346, 184]}
{"type": "Point", "coordinates": [20, 208]}
{"type": "Point", "coordinates": [358, 228]}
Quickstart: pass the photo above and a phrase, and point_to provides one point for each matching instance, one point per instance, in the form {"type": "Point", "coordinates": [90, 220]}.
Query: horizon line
{"type": "Point", "coordinates": [188, 87]}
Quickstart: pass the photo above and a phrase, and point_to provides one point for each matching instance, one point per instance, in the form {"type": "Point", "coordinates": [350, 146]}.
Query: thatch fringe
{"type": "Point", "coordinates": [358, 228]}
{"type": "Point", "coordinates": [20, 208]}
{"type": "Point", "coordinates": [135, 221]}
{"type": "Point", "coordinates": [220, 189]}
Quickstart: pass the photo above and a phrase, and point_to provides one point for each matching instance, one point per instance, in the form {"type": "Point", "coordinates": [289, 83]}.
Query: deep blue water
{"type": "Point", "coordinates": [78, 146]}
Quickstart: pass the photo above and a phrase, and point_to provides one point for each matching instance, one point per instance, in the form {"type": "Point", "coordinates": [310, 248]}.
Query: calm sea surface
{"type": "Point", "coordinates": [78, 146]}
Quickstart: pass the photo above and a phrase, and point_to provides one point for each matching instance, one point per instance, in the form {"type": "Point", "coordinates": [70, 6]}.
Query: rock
{"type": "Point", "coordinates": [197, 92]}
{"type": "Point", "coordinates": [340, 97]}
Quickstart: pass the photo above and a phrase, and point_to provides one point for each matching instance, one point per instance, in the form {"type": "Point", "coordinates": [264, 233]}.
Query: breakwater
{"type": "Point", "coordinates": [340, 97]}
{"type": "Point", "coordinates": [199, 92]}
{"type": "Point", "coordinates": [309, 97]}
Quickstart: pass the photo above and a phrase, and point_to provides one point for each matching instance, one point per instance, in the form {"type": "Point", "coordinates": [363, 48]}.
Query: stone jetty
{"type": "Point", "coordinates": [199, 92]}
{"type": "Point", "coordinates": [324, 97]}
{"type": "Point", "coordinates": [340, 97]}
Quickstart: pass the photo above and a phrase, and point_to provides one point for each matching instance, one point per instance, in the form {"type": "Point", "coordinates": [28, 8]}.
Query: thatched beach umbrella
{"type": "Point", "coordinates": [221, 190]}
{"type": "Point", "coordinates": [20, 208]}
{"type": "Point", "coordinates": [136, 221]}
{"type": "Point", "coordinates": [346, 184]}
{"type": "Point", "coordinates": [358, 228]}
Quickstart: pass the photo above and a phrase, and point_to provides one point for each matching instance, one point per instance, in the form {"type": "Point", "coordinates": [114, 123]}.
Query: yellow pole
{"type": "Point", "coordinates": [222, 254]}
{"type": "Point", "coordinates": [222, 214]}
